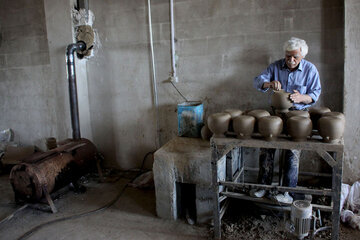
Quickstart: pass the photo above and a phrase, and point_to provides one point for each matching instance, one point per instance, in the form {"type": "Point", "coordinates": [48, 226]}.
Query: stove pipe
{"type": "Point", "coordinates": [74, 108]}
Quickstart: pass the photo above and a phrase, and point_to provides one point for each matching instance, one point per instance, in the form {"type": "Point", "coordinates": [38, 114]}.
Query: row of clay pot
{"type": "Point", "coordinates": [298, 124]}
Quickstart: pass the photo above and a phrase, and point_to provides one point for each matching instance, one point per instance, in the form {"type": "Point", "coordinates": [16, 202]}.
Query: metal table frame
{"type": "Point", "coordinates": [331, 153]}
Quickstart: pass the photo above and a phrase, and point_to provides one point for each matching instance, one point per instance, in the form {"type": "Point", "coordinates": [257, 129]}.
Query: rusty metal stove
{"type": "Point", "coordinates": [43, 173]}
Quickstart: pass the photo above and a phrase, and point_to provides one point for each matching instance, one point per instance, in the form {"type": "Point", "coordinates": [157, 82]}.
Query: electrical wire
{"type": "Point", "coordinates": [108, 205]}
{"type": "Point", "coordinates": [179, 91]}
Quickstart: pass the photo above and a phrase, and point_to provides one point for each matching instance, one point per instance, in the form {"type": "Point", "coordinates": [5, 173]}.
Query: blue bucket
{"type": "Point", "coordinates": [190, 118]}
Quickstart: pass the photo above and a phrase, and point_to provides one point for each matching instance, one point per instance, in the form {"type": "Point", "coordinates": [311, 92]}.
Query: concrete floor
{"type": "Point", "coordinates": [133, 216]}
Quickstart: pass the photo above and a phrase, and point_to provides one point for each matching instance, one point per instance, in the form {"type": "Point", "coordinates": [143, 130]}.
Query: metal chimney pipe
{"type": "Point", "coordinates": [74, 108]}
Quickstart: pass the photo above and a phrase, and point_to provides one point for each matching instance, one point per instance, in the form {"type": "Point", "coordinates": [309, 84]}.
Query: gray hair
{"type": "Point", "coordinates": [296, 43]}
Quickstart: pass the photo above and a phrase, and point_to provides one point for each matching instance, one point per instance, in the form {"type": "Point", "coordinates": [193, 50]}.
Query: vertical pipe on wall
{"type": "Point", "coordinates": [74, 106]}
{"type": "Point", "coordinates": [173, 56]}
{"type": "Point", "coordinates": [155, 94]}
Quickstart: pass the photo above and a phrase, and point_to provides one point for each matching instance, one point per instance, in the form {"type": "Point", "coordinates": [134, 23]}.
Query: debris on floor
{"type": "Point", "coordinates": [350, 204]}
{"type": "Point", "coordinates": [248, 221]}
{"type": "Point", "coordinates": [145, 180]}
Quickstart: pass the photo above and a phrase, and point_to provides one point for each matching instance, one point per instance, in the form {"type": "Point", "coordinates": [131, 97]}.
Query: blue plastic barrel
{"type": "Point", "coordinates": [190, 118]}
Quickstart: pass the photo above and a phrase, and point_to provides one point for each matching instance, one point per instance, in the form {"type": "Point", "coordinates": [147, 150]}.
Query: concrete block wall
{"type": "Point", "coordinates": [221, 47]}
{"type": "Point", "coordinates": [26, 91]}
{"type": "Point", "coordinates": [351, 93]}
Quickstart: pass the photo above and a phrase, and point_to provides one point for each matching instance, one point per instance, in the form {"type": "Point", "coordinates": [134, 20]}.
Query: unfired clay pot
{"type": "Point", "coordinates": [234, 113]}
{"type": "Point", "coordinates": [331, 128]}
{"type": "Point", "coordinates": [218, 123]}
{"type": "Point", "coordinates": [206, 133]}
{"type": "Point", "coordinates": [297, 113]}
{"type": "Point", "coordinates": [257, 114]}
{"type": "Point", "coordinates": [270, 127]}
{"type": "Point", "coordinates": [281, 101]}
{"type": "Point", "coordinates": [299, 128]}
{"type": "Point", "coordinates": [315, 114]}
{"type": "Point", "coordinates": [244, 126]}
{"type": "Point", "coordinates": [334, 114]}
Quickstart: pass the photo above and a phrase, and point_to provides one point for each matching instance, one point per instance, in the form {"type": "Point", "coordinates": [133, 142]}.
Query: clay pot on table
{"type": "Point", "coordinates": [234, 113]}
{"type": "Point", "coordinates": [299, 113]}
{"type": "Point", "coordinates": [280, 100]}
{"type": "Point", "coordinates": [331, 128]}
{"type": "Point", "coordinates": [334, 114]}
{"type": "Point", "coordinates": [206, 134]}
{"type": "Point", "coordinates": [258, 114]}
{"type": "Point", "coordinates": [244, 126]}
{"type": "Point", "coordinates": [270, 127]}
{"type": "Point", "coordinates": [218, 123]}
{"type": "Point", "coordinates": [316, 113]}
{"type": "Point", "coordinates": [299, 127]}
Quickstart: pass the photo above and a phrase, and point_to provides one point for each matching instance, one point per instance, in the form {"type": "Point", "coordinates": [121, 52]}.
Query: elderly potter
{"type": "Point", "coordinates": [299, 77]}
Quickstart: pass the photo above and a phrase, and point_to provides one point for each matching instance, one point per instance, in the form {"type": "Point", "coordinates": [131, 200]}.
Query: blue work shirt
{"type": "Point", "coordinates": [304, 79]}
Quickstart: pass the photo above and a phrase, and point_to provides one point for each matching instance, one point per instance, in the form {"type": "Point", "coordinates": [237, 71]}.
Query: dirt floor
{"type": "Point", "coordinates": [132, 216]}
{"type": "Point", "coordinates": [249, 221]}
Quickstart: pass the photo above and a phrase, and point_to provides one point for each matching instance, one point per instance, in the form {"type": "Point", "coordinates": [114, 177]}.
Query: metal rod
{"type": "Point", "coordinates": [314, 174]}
{"type": "Point", "coordinates": [74, 108]}
{"type": "Point", "coordinates": [173, 56]}
{"type": "Point", "coordinates": [156, 102]}
{"type": "Point", "coordinates": [279, 188]}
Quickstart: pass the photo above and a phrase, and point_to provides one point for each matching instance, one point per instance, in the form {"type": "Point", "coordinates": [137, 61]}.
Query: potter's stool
{"type": "Point", "coordinates": [185, 161]}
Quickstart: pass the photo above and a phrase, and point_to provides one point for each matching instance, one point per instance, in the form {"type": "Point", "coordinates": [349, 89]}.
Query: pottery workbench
{"type": "Point", "coordinates": [332, 153]}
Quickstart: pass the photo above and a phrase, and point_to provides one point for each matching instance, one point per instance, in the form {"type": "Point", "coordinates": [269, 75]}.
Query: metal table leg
{"type": "Point", "coordinates": [215, 187]}
{"type": "Point", "coordinates": [336, 187]}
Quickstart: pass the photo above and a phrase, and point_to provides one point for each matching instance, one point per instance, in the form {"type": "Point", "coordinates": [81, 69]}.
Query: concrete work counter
{"type": "Point", "coordinates": [184, 160]}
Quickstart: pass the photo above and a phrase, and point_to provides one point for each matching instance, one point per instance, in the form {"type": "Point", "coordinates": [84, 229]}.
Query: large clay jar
{"type": "Point", "coordinates": [206, 133]}
{"type": "Point", "coordinates": [281, 101]}
{"type": "Point", "coordinates": [218, 123]}
{"type": "Point", "coordinates": [316, 113]}
{"type": "Point", "coordinates": [299, 113]}
{"type": "Point", "coordinates": [257, 114]}
{"type": "Point", "coordinates": [331, 128]}
{"type": "Point", "coordinates": [234, 113]}
{"type": "Point", "coordinates": [334, 114]}
{"type": "Point", "coordinates": [270, 127]}
{"type": "Point", "coordinates": [299, 127]}
{"type": "Point", "coordinates": [244, 126]}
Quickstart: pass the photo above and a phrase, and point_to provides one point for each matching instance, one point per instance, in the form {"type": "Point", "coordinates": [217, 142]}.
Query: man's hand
{"type": "Point", "coordinates": [276, 85]}
{"type": "Point", "coordinates": [296, 97]}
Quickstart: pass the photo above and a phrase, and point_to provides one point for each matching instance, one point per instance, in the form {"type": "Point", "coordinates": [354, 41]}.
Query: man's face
{"type": "Point", "coordinates": [293, 58]}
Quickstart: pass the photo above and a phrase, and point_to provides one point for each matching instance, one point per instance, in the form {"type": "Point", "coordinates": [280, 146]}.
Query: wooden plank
{"type": "Point", "coordinates": [325, 192]}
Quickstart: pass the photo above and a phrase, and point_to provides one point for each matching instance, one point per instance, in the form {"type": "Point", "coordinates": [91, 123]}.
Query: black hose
{"type": "Point", "coordinates": [35, 229]}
